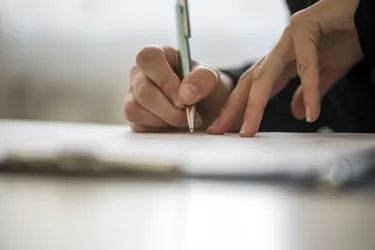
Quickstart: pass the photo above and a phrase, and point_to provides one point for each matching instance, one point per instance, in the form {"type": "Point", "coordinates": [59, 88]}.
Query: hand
{"type": "Point", "coordinates": [320, 45]}
{"type": "Point", "coordinates": [156, 98]}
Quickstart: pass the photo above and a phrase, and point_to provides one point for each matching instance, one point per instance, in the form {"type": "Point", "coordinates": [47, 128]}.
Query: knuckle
{"type": "Point", "coordinates": [257, 73]}
{"type": "Point", "coordinates": [131, 110]}
{"type": "Point", "coordinates": [259, 70]}
{"type": "Point", "coordinates": [302, 66]}
{"type": "Point", "coordinates": [163, 80]}
{"type": "Point", "coordinates": [134, 70]}
{"type": "Point", "coordinates": [147, 56]}
{"type": "Point", "coordinates": [312, 36]}
{"type": "Point", "coordinates": [305, 91]}
{"type": "Point", "coordinates": [310, 91]}
{"type": "Point", "coordinates": [133, 73]}
{"type": "Point", "coordinates": [142, 92]}
{"type": "Point", "coordinates": [288, 31]}
{"type": "Point", "coordinates": [295, 19]}
{"type": "Point", "coordinates": [256, 84]}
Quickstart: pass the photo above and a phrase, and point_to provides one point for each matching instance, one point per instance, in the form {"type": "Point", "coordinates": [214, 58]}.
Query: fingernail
{"type": "Point", "coordinates": [189, 92]}
{"type": "Point", "coordinates": [308, 114]}
{"type": "Point", "coordinates": [243, 128]}
{"type": "Point", "coordinates": [212, 125]}
{"type": "Point", "coordinates": [177, 101]}
{"type": "Point", "coordinates": [198, 120]}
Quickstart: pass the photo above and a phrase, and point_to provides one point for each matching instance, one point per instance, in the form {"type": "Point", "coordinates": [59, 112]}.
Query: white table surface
{"type": "Point", "coordinates": [44, 213]}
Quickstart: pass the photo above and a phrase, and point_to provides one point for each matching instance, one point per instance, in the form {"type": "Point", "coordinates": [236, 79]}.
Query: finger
{"type": "Point", "coordinates": [236, 103]}
{"type": "Point", "coordinates": [232, 111]}
{"type": "Point", "coordinates": [263, 82]}
{"type": "Point", "coordinates": [200, 83]}
{"type": "Point", "coordinates": [150, 97]}
{"type": "Point", "coordinates": [135, 113]}
{"type": "Point", "coordinates": [153, 62]}
{"type": "Point", "coordinates": [327, 79]}
{"type": "Point", "coordinates": [308, 70]}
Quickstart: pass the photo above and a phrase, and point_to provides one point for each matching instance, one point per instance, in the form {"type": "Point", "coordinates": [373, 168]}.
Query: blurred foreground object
{"type": "Point", "coordinates": [100, 214]}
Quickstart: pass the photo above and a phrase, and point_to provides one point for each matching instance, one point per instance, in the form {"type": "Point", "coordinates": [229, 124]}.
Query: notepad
{"type": "Point", "coordinates": [106, 148]}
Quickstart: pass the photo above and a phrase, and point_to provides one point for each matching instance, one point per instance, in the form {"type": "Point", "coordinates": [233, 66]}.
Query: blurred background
{"type": "Point", "coordinates": [69, 60]}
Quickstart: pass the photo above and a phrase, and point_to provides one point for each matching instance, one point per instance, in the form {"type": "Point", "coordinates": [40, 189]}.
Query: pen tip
{"type": "Point", "coordinates": [191, 130]}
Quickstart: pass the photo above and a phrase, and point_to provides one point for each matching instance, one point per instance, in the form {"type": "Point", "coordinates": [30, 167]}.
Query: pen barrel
{"type": "Point", "coordinates": [183, 42]}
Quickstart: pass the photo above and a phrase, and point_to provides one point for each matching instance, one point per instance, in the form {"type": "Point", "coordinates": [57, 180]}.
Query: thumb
{"type": "Point", "coordinates": [199, 84]}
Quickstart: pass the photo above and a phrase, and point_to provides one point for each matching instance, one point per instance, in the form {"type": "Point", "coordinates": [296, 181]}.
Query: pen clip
{"type": "Point", "coordinates": [185, 9]}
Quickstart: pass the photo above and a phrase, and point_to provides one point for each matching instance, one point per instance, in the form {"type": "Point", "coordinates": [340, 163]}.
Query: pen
{"type": "Point", "coordinates": [183, 34]}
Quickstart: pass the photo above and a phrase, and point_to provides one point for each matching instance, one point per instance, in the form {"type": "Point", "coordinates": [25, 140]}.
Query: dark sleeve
{"type": "Point", "coordinates": [365, 24]}
{"type": "Point", "coordinates": [294, 6]}
{"type": "Point", "coordinates": [235, 73]}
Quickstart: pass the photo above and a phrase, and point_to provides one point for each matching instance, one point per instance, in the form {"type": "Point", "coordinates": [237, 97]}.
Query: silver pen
{"type": "Point", "coordinates": [183, 34]}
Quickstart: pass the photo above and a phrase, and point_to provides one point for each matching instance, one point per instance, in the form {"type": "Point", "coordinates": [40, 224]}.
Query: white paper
{"type": "Point", "coordinates": [198, 153]}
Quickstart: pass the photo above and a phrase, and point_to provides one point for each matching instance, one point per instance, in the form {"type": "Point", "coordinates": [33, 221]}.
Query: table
{"type": "Point", "coordinates": [69, 213]}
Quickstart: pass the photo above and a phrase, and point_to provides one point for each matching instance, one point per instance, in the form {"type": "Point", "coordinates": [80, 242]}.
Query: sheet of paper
{"type": "Point", "coordinates": [193, 154]}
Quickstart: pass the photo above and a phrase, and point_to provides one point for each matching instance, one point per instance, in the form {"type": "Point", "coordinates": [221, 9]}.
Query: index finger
{"type": "Point", "coordinates": [263, 81]}
{"type": "Point", "coordinates": [153, 62]}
